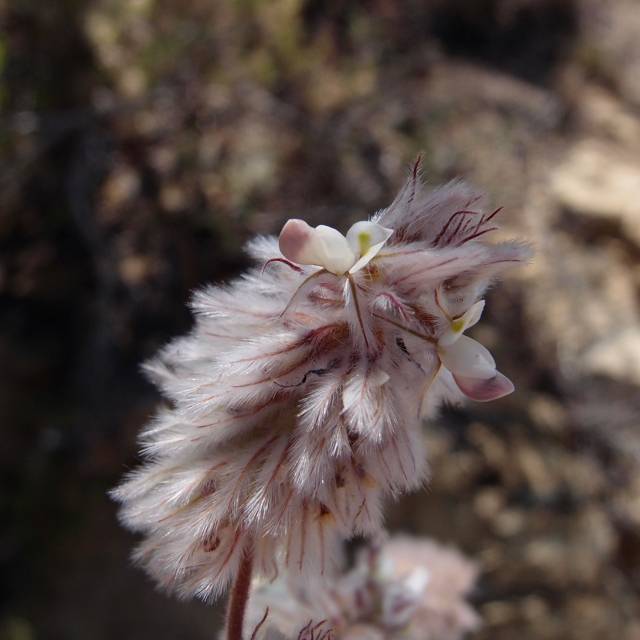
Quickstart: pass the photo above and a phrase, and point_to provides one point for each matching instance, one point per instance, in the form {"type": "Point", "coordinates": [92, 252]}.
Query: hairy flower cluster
{"type": "Point", "coordinates": [405, 589]}
{"type": "Point", "coordinates": [295, 403]}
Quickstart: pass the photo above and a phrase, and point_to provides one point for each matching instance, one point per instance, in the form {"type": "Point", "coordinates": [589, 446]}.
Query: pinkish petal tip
{"type": "Point", "coordinates": [295, 235]}
{"type": "Point", "coordinates": [485, 390]}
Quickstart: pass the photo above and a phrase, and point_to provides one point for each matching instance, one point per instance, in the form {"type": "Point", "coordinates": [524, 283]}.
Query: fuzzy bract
{"type": "Point", "coordinates": [294, 405]}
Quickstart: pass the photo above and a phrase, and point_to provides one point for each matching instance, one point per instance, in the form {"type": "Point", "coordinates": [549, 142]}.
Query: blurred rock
{"type": "Point", "coordinates": [599, 180]}
{"type": "Point", "coordinates": [611, 49]}
{"type": "Point", "coordinates": [583, 294]}
{"type": "Point", "coordinates": [617, 356]}
{"type": "Point", "coordinates": [602, 112]}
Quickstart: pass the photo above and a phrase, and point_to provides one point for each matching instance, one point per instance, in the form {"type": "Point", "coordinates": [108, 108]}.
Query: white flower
{"type": "Point", "coordinates": [326, 247]}
{"type": "Point", "coordinates": [472, 366]}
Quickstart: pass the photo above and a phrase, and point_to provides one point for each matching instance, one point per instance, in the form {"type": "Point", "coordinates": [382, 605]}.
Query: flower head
{"type": "Point", "coordinates": [294, 403]}
{"type": "Point", "coordinates": [405, 589]}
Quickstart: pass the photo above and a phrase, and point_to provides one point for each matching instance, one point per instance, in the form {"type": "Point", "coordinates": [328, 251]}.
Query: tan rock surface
{"type": "Point", "coordinates": [600, 181]}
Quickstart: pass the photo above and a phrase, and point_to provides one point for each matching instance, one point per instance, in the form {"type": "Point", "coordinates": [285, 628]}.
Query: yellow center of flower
{"type": "Point", "coordinates": [364, 242]}
{"type": "Point", "coordinates": [457, 325]}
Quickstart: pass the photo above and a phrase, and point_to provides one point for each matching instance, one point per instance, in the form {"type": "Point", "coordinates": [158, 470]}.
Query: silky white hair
{"type": "Point", "coordinates": [293, 407]}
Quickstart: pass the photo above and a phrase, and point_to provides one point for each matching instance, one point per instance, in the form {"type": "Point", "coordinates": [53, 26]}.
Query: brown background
{"type": "Point", "coordinates": [142, 141]}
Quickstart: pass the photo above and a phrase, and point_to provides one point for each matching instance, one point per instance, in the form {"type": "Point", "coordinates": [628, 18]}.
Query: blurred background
{"type": "Point", "coordinates": [143, 141]}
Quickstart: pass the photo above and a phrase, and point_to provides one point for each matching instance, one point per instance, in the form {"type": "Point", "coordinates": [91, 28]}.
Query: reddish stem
{"type": "Point", "coordinates": [239, 596]}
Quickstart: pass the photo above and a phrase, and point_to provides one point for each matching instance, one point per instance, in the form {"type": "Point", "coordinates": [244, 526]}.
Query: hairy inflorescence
{"type": "Point", "coordinates": [294, 405]}
{"type": "Point", "coordinates": [404, 588]}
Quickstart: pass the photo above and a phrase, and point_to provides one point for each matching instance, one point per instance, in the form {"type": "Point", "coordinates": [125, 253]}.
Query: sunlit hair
{"type": "Point", "coordinates": [294, 405]}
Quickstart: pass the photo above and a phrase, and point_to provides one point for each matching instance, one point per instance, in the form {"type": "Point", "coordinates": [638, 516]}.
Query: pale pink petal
{"type": "Point", "coordinates": [485, 390]}
{"type": "Point", "coordinates": [294, 241]}
{"type": "Point", "coordinates": [467, 357]}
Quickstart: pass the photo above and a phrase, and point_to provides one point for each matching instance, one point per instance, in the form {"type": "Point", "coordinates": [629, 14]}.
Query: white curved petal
{"type": "Point", "coordinates": [366, 239]}
{"type": "Point", "coordinates": [367, 257]}
{"type": "Point", "coordinates": [363, 235]}
{"type": "Point", "coordinates": [485, 390]}
{"type": "Point", "coordinates": [459, 325]}
{"type": "Point", "coordinates": [472, 315]}
{"type": "Point", "coordinates": [332, 250]}
{"type": "Point", "coordinates": [467, 357]}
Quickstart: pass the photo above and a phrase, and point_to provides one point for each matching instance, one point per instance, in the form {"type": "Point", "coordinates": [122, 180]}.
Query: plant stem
{"type": "Point", "coordinates": [239, 596]}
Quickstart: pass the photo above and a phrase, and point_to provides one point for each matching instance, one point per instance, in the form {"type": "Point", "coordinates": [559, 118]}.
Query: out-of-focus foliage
{"type": "Point", "coordinates": [143, 141]}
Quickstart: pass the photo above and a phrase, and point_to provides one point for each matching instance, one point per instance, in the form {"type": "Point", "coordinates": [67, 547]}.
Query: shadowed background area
{"type": "Point", "coordinates": [143, 141]}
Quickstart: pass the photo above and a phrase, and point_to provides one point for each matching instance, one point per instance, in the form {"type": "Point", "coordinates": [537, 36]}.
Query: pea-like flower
{"type": "Point", "coordinates": [294, 404]}
{"type": "Point", "coordinates": [326, 247]}
{"type": "Point", "coordinates": [472, 366]}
